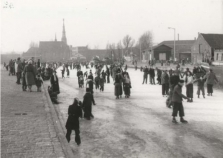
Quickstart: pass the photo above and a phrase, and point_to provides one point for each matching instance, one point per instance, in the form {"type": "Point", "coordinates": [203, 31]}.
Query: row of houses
{"type": "Point", "coordinates": [206, 48]}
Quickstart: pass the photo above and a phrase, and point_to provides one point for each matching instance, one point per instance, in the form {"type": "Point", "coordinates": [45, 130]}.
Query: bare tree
{"type": "Point", "coordinates": [128, 42]}
{"type": "Point", "coordinates": [119, 49]}
{"type": "Point", "coordinates": [145, 40]}
{"type": "Point", "coordinates": [110, 50]}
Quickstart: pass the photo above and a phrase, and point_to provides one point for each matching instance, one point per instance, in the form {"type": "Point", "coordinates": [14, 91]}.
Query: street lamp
{"type": "Point", "coordinates": [174, 42]}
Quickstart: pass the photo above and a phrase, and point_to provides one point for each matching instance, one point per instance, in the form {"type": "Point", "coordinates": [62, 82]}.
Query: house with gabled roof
{"type": "Point", "coordinates": [208, 48]}
{"type": "Point", "coordinates": [165, 50]}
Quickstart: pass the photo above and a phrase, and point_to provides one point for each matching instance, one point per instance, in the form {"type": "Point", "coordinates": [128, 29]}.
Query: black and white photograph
{"type": "Point", "coordinates": [111, 78]}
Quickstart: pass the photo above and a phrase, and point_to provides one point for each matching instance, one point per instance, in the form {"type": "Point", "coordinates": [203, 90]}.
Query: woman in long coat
{"type": "Point", "coordinates": [127, 85]}
{"type": "Point", "coordinates": [87, 104]}
{"type": "Point", "coordinates": [74, 112]}
{"type": "Point", "coordinates": [30, 74]}
{"type": "Point", "coordinates": [211, 79]}
{"type": "Point", "coordinates": [55, 83]}
{"type": "Point", "coordinates": [118, 84]}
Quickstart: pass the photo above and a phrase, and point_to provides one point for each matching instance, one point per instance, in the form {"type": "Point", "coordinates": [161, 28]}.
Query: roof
{"type": "Point", "coordinates": [52, 46]}
{"type": "Point", "coordinates": [32, 51]}
{"type": "Point", "coordinates": [181, 46]}
{"type": "Point", "coordinates": [178, 42]}
{"type": "Point", "coordinates": [214, 40]}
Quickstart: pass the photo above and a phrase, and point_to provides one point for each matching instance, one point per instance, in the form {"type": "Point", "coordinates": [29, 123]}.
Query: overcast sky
{"type": "Point", "coordinates": [97, 22]}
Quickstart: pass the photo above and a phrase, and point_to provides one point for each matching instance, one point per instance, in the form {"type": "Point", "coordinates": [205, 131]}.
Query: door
{"type": "Point", "coordinates": [162, 56]}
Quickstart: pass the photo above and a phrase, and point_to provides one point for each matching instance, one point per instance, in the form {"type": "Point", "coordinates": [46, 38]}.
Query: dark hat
{"type": "Point", "coordinates": [181, 81]}
{"type": "Point", "coordinates": [87, 89]}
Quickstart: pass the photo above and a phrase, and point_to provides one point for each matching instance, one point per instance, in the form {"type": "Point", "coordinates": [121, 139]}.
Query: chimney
{"type": "Point", "coordinates": [178, 37]}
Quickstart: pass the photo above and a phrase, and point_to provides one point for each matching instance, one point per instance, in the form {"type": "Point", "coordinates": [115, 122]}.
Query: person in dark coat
{"type": "Point", "coordinates": [103, 75]}
{"type": "Point", "coordinates": [97, 80]}
{"type": "Point", "coordinates": [177, 102]}
{"type": "Point", "coordinates": [39, 82]}
{"type": "Point", "coordinates": [159, 73]}
{"type": "Point", "coordinates": [90, 76]}
{"type": "Point", "coordinates": [55, 83]}
{"type": "Point", "coordinates": [165, 83]}
{"type": "Point", "coordinates": [189, 87]}
{"type": "Point", "coordinates": [211, 79]}
{"type": "Point", "coordinates": [108, 74]}
{"type": "Point", "coordinates": [24, 86]}
{"type": "Point", "coordinates": [101, 83]}
{"type": "Point", "coordinates": [200, 86]}
{"type": "Point", "coordinates": [118, 84]}
{"type": "Point", "coordinates": [53, 95]}
{"type": "Point", "coordinates": [68, 72]}
{"type": "Point", "coordinates": [62, 72]}
{"type": "Point", "coordinates": [145, 74]}
{"type": "Point", "coordinates": [90, 85]}
{"type": "Point", "coordinates": [10, 67]}
{"type": "Point", "coordinates": [74, 113]}
{"type": "Point", "coordinates": [173, 81]}
{"type": "Point", "coordinates": [87, 104]}
{"type": "Point", "coordinates": [152, 76]}
{"type": "Point", "coordinates": [127, 85]}
{"type": "Point", "coordinates": [79, 73]}
{"type": "Point", "coordinates": [18, 70]}
{"type": "Point", "coordinates": [30, 75]}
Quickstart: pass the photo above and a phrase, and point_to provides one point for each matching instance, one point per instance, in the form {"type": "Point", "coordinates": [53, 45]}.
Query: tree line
{"type": "Point", "coordinates": [129, 46]}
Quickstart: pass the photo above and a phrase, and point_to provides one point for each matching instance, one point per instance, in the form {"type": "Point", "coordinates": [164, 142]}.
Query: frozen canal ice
{"type": "Point", "coordinates": [141, 125]}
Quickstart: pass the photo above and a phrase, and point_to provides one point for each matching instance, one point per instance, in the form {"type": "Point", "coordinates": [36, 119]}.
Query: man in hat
{"type": "Point", "coordinates": [177, 102]}
{"type": "Point", "coordinates": [18, 69]}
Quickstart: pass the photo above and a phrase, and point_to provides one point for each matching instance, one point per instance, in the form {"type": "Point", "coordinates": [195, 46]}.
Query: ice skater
{"type": "Point", "coordinates": [74, 113]}
{"type": "Point", "coordinates": [177, 98]}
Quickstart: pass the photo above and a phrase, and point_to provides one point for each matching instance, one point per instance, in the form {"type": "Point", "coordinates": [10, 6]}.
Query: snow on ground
{"type": "Point", "coordinates": [141, 125]}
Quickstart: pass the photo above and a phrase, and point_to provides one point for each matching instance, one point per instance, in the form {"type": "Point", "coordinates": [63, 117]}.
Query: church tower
{"type": "Point", "coordinates": [64, 39]}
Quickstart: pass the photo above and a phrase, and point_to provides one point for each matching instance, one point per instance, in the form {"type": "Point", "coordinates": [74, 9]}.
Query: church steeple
{"type": "Point", "coordinates": [64, 39]}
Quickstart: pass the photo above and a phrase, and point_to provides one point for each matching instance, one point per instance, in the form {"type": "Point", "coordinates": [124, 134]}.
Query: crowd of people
{"type": "Point", "coordinates": [171, 81]}
{"type": "Point", "coordinates": [30, 73]}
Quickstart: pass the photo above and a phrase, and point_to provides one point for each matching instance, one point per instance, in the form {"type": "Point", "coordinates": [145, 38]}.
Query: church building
{"type": "Point", "coordinates": [49, 51]}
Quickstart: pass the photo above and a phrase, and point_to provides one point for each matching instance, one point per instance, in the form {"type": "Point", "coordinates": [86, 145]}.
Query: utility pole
{"type": "Point", "coordinates": [174, 43]}
{"type": "Point", "coordinates": [140, 51]}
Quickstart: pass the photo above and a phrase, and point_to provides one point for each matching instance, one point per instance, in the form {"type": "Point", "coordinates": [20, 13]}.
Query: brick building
{"type": "Point", "coordinates": [208, 47]}
{"type": "Point", "coordinates": [50, 50]}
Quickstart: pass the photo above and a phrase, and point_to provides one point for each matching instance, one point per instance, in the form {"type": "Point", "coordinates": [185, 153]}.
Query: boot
{"type": "Point", "coordinates": [203, 96]}
{"type": "Point", "coordinates": [191, 100]}
{"type": "Point", "coordinates": [211, 94]}
{"type": "Point", "coordinates": [174, 121]}
{"type": "Point", "coordinates": [198, 96]}
{"type": "Point", "coordinates": [182, 120]}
